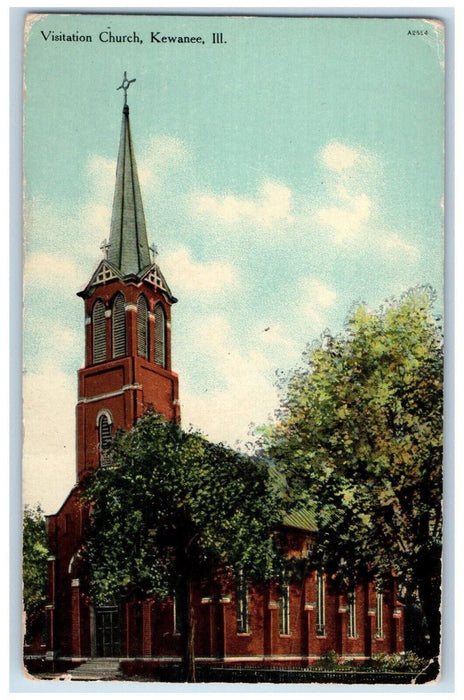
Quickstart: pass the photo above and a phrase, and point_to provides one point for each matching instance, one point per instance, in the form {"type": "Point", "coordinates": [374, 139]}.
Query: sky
{"type": "Point", "coordinates": [287, 174]}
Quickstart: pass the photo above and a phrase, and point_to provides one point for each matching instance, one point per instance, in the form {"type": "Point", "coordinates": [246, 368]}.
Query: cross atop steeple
{"type": "Point", "coordinates": [128, 246]}
{"type": "Point", "coordinates": [154, 251]}
{"type": "Point", "coordinates": [125, 86]}
{"type": "Point", "coordinates": [104, 247]}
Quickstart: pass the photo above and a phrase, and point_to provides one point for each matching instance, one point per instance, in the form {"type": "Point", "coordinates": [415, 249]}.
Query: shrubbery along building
{"type": "Point", "coordinates": [127, 372]}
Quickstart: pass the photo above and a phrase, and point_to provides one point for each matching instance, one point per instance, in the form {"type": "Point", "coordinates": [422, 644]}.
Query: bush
{"type": "Point", "coordinates": [409, 661]}
{"type": "Point", "coordinates": [328, 661]}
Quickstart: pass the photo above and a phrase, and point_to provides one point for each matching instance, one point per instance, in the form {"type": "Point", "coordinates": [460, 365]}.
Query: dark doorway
{"type": "Point", "coordinates": [108, 635]}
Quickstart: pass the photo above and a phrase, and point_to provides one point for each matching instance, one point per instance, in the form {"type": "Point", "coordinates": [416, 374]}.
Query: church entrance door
{"type": "Point", "coordinates": [108, 634]}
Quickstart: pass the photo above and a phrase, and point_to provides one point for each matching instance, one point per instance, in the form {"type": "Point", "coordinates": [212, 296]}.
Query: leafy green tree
{"type": "Point", "coordinates": [360, 434]}
{"type": "Point", "coordinates": [35, 554]}
{"type": "Point", "coordinates": [173, 509]}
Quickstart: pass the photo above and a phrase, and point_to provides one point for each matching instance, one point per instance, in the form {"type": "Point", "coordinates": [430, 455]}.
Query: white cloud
{"type": "Point", "coordinates": [352, 214]}
{"type": "Point", "coordinates": [63, 231]}
{"type": "Point", "coordinates": [96, 219]}
{"type": "Point", "coordinates": [394, 244]}
{"type": "Point", "coordinates": [49, 459]}
{"type": "Point", "coordinates": [156, 158]}
{"type": "Point", "coordinates": [52, 270]}
{"type": "Point", "coordinates": [54, 343]}
{"type": "Point", "coordinates": [347, 221]}
{"type": "Point", "coordinates": [321, 294]}
{"type": "Point", "coordinates": [316, 297]}
{"type": "Point", "coordinates": [272, 205]}
{"type": "Point", "coordinates": [349, 208]}
{"type": "Point", "coordinates": [183, 272]}
{"type": "Point", "coordinates": [336, 156]}
{"type": "Point", "coordinates": [247, 394]}
{"type": "Point", "coordinates": [276, 335]}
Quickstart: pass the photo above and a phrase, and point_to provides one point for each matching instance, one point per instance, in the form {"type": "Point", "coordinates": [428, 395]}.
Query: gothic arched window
{"type": "Point", "coordinates": [142, 326]}
{"type": "Point", "coordinates": [320, 604]}
{"type": "Point", "coordinates": [119, 326]}
{"type": "Point", "coordinates": [352, 631]}
{"type": "Point", "coordinates": [160, 336]}
{"type": "Point", "coordinates": [242, 605]}
{"type": "Point", "coordinates": [104, 438]}
{"type": "Point", "coordinates": [284, 609]}
{"type": "Point", "coordinates": [99, 331]}
{"type": "Point", "coordinates": [379, 614]}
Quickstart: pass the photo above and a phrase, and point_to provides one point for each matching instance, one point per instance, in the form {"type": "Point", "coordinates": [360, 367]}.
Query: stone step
{"type": "Point", "coordinates": [101, 662]}
{"type": "Point", "coordinates": [96, 669]}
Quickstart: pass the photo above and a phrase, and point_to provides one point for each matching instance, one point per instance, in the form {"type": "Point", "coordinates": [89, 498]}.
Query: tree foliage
{"type": "Point", "coordinates": [171, 509]}
{"type": "Point", "coordinates": [35, 554]}
{"type": "Point", "coordinates": [360, 433]}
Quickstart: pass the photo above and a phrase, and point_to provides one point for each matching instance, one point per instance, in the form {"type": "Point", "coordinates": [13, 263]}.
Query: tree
{"type": "Point", "coordinates": [35, 554]}
{"type": "Point", "coordinates": [360, 433]}
{"type": "Point", "coordinates": [172, 509]}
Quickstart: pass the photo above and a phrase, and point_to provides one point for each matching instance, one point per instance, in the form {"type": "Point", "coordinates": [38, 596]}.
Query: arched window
{"type": "Point", "coordinates": [320, 604]}
{"type": "Point", "coordinates": [160, 336]}
{"type": "Point", "coordinates": [242, 605]}
{"type": "Point", "coordinates": [142, 326]}
{"type": "Point", "coordinates": [119, 326]}
{"type": "Point", "coordinates": [379, 614]}
{"type": "Point", "coordinates": [284, 609]}
{"type": "Point", "coordinates": [104, 438]}
{"type": "Point", "coordinates": [352, 632]}
{"type": "Point", "coordinates": [99, 331]}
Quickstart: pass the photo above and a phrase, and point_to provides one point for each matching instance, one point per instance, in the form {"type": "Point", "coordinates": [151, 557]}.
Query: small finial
{"type": "Point", "coordinates": [154, 251]}
{"type": "Point", "coordinates": [104, 246]}
{"type": "Point", "coordinates": [125, 86]}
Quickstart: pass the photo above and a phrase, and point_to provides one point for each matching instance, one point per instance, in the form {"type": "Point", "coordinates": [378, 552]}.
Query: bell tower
{"type": "Point", "coordinates": [127, 324]}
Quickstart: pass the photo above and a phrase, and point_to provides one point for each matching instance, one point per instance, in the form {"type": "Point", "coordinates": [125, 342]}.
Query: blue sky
{"type": "Point", "coordinates": [286, 175]}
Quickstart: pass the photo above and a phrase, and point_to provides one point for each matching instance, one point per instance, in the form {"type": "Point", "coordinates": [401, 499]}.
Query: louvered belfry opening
{"type": "Point", "coordinates": [104, 435]}
{"type": "Point", "coordinates": [119, 326]}
{"type": "Point", "coordinates": [142, 326]}
{"type": "Point", "coordinates": [99, 331]}
{"type": "Point", "coordinates": [160, 336]}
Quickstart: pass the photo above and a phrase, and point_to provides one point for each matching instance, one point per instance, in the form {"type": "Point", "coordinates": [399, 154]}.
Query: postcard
{"type": "Point", "coordinates": [233, 348]}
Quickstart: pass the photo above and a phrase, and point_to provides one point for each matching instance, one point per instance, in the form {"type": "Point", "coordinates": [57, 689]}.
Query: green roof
{"type": "Point", "coordinates": [128, 249]}
{"type": "Point", "coordinates": [303, 519]}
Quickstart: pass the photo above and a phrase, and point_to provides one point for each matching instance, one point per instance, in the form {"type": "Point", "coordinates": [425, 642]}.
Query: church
{"type": "Point", "coordinates": [127, 371]}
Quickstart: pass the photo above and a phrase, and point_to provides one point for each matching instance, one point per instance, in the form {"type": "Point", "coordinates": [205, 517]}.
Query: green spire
{"type": "Point", "coordinates": [128, 247]}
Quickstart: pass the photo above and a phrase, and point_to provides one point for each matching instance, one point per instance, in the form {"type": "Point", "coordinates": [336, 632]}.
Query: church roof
{"type": "Point", "coordinates": [128, 248]}
{"type": "Point", "coordinates": [302, 519]}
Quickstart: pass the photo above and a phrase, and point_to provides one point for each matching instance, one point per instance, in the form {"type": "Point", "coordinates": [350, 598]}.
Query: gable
{"type": "Point", "coordinates": [155, 277]}
{"type": "Point", "coordinates": [104, 273]}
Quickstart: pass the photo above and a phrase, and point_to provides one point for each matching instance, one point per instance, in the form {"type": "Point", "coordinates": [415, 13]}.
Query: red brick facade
{"type": "Point", "coordinates": [145, 630]}
{"type": "Point", "coordinates": [115, 388]}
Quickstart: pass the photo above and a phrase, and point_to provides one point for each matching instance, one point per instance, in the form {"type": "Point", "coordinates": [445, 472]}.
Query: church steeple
{"type": "Point", "coordinates": [127, 325]}
{"type": "Point", "coordinates": [128, 246]}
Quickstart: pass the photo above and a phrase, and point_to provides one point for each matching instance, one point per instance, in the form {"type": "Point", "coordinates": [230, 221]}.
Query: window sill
{"type": "Point", "coordinates": [243, 634]}
{"type": "Point", "coordinates": [285, 636]}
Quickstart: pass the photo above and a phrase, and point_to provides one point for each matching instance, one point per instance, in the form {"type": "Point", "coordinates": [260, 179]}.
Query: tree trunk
{"type": "Point", "coordinates": [190, 645]}
{"type": "Point", "coordinates": [430, 597]}
{"type": "Point", "coordinates": [429, 589]}
{"type": "Point", "coordinates": [188, 633]}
